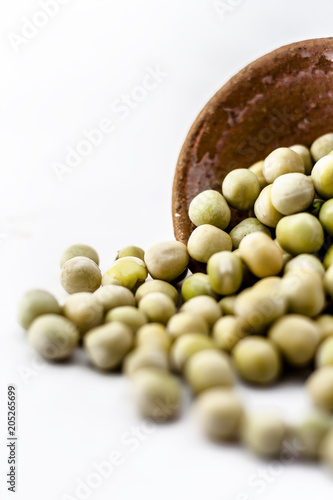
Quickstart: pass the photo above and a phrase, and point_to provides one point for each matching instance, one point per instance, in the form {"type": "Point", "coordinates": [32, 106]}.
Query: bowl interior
{"type": "Point", "coordinates": [283, 98]}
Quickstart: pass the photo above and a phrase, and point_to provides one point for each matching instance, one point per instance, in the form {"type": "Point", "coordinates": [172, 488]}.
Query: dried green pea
{"type": "Point", "coordinates": [304, 261]}
{"type": "Point", "coordinates": [247, 226]}
{"type": "Point", "coordinates": [310, 432]}
{"type": "Point", "coordinates": [264, 210]}
{"type": "Point", "coordinates": [129, 272]}
{"type": "Point", "coordinates": [322, 146]}
{"type": "Point", "coordinates": [79, 250]}
{"type": "Point", "coordinates": [225, 271]}
{"type": "Point", "coordinates": [228, 331]}
{"type": "Point", "coordinates": [111, 296]}
{"type": "Point", "coordinates": [80, 274]}
{"type": "Point", "coordinates": [185, 346]}
{"type": "Point", "coordinates": [297, 338]}
{"type": "Point", "coordinates": [128, 315]}
{"type": "Point", "coordinates": [300, 233]}
{"type": "Point", "coordinates": [324, 355]}
{"type": "Point", "coordinates": [305, 154]}
{"type": "Point", "coordinates": [264, 434]}
{"type": "Point", "coordinates": [158, 307]}
{"type": "Point", "coordinates": [325, 325]}
{"type": "Point", "coordinates": [210, 207]}
{"type": "Point", "coordinates": [153, 334]}
{"type": "Point", "coordinates": [207, 369]}
{"type": "Point", "coordinates": [220, 413]}
{"type": "Point", "coordinates": [282, 161]}
{"type": "Point", "coordinates": [53, 336]}
{"type": "Point", "coordinates": [292, 193]}
{"type": "Point", "coordinates": [328, 259]}
{"type": "Point", "coordinates": [256, 168]}
{"type": "Point", "coordinates": [131, 251]}
{"type": "Point", "coordinates": [145, 357]}
{"type": "Point", "coordinates": [207, 240]}
{"type": "Point", "coordinates": [152, 286]}
{"type": "Point", "coordinates": [227, 305]}
{"type": "Point", "coordinates": [204, 306]}
{"type": "Point", "coordinates": [261, 255]}
{"type": "Point", "coordinates": [84, 310]}
{"type": "Point", "coordinates": [322, 176]}
{"type": "Point", "coordinates": [241, 188]}
{"type": "Point", "coordinates": [304, 292]}
{"type": "Point", "coordinates": [326, 216]}
{"type": "Point", "coordinates": [257, 360]}
{"type": "Point", "coordinates": [35, 303]}
{"type": "Point", "coordinates": [157, 394]}
{"type": "Point", "coordinates": [320, 387]}
{"type": "Point", "coordinates": [184, 322]}
{"type": "Point", "coordinates": [107, 345]}
{"type": "Point", "coordinates": [197, 284]}
{"type": "Point", "coordinates": [167, 260]}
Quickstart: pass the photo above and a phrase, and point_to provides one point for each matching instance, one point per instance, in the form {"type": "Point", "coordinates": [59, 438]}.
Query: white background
{"type": "Point", "coordinates": [65, 80]}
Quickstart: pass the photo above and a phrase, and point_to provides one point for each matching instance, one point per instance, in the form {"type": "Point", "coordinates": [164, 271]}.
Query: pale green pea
{"type": "Point", "coordinates": [322, 176]}
{"type": "Point", "coordinates": [305, 154]}
{"type": "Point", "coordinates": [256, 168]}
{"type": "Point", "coordinates": [206, 240]}
{"type": "Point", "coordinates": [167, 260]}
{"type": "Point", "coordinates": [130, 272]}
{"type": "Point", "coordinates": [324, 355]}
{"type": "Point", "coordinates": [209, 207]}
{"type": "Point", "coordinates": [80, 274]}
{"type": "Point", "coordinates": [79, 250]}
{"type": "Point", "coordinates": [225, 271]}
{"type": "Point", "coordinates": [326, 216]}
{"type": "Point", "coordinates": [320, 387]}
{"type": "Point", "coordinates": [207, 369]}
{"type": "Point", "coordinates": [158, 307]}
{"type": "Point", "coordinates": [131, 251]}
{"type": "Point", "coordinates": [152, 286]}
{"type": "Point", "coordinates": [184, 322]}
{"type": "Point", "coordinates": [35, 303]}
{"type": "Point", "coordinates": [282, 161]}
{"type": "Point", "coordinates": [322, 146]}
{"type": "Point", "coordinates": [197, 284]}
{"type": "Point", "coordinates": [246, 226]}
{"type": "Point", "coordinates": [205, 306]}
{"type": "Point", "coordinates": [300, 233]}
{"type": "Point", "coordinates": [241, 188]}
{"type": "Point", "coordinates": [129, 315]}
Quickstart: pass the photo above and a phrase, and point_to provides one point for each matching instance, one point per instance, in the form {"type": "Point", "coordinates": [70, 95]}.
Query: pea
{"type": "Point", "coordinates": [322, 146]}
{"type": "Point", "coordinates": [153, 334]}
{"type": "Point", "coordinates": [207, 369]}
{"type": "Point", "coordinates": [241, 188]}
{"type": "Point", "coordinates": [107, 345]}
{"type": "Point", "coordinates": [167, 260]}
{"type": "Point", "coordinates": [227, 305]}
{"type": "Point", "coordinates": [157, 394]}
{"type": "Point", "coordinates": [129, 272]}
{"type": "Point", "coordinates": [264, 434]}
{"type": "Point", "coordinates": [324, 355]}
{"type": "Point", "coordinates": [53, 336]}
{"type": "Point", "coordinates": [257, 360]}
{"type": "Point", "coordinates": [264, 210]}
{"type": "Point", "coordinates": [320, 387]}
{"type": "Point", "coordinates": [111, 296]}
{"type": "Point", "coordinates": [205, 306]}
{"type": "Point", "coordinates": [300, 233]}
{"type": "Point", "coordinates": [207, 240]}
{"type": "Point", "coordinates": [304, 292]}
{"type": "Point", "coordinates": [35, 303]}
{"type": "Point", "coordinates": [305, 154]}
{"type": "Point", "coordinates": [322, 176]}
{"type": "Point", "coordinates": [129, 315]}
{"type": "Point", "coordinates": [225, 272]}
{"type": "Point", "coordinates": [80, 274]}
{"type": "Point", "coordinates": [145, 357]}
{"type": "Point", "coordinates": [261, 255]}
{"type": "Point", "coordinates": [325, 325]}
{"type": "Point", "coordinates": [228, 331]}
{"type": "Point", "coordinates": [256, 168]}
{"type": "Point", "coordinates": [197, 284]}
{"type": "Point", "coordinates": [185, 346]}
{"type": "Point", "coordinates": [152, 286]}
{"type": "Point", "coordinates": [210, 207]}
{"type": "Point", "coordinates": [297, 338]}
{"type": "Point", "coordinates": [184, 322]}
{"type": "Point", "coordinates": [326, 216]}
{"type": "Point", "coordinates": [131, 251]}
{"type": "Point", "coordinates": [310, 432]}
{"type": "Point", "coordinates": [84, 311]}
{"type": "Point", "coordinates": [282, 161]}
{"type": "Point", "coordinates": [158, 307]}
{"type": "Point", "coordinates": [221, 413]}
{"type": "Point", "coordinates": [247, 226]}
{"type": "Point", "coordinates": [305, 262]}
{"type": "Point", "coordinates": [292, 193]}
{"type": "Point", "coordinates": [326, 449]}
{"type": "Point", "coordinates": [79, 250]}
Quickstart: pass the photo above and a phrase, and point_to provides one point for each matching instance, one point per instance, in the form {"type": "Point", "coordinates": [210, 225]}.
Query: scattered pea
{"type": "Point", "coordinates": [80, 274]}
{"type": "Point", "coordinates": [35, 303]}
{"type": "Point", "coordinates": [209, 207]}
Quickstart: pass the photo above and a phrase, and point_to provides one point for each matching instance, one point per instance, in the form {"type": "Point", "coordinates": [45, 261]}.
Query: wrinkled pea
{"type": "Point", "coordinates": [207, 240]}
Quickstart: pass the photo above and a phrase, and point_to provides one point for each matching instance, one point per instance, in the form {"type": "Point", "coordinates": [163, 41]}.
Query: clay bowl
{"type": "Point", "coordinates": [283, 98]}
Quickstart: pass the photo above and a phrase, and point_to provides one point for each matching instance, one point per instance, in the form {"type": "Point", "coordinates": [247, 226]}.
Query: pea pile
{"type": "Point", "coordinates": [262, 307]}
